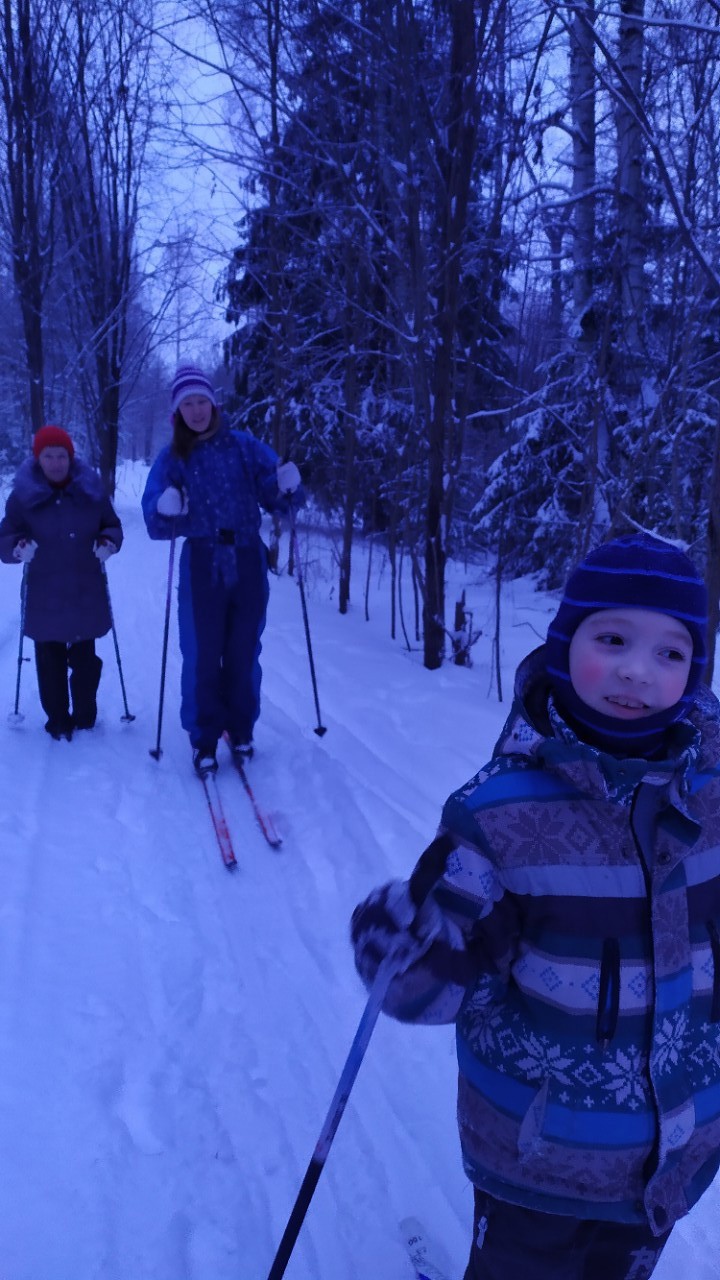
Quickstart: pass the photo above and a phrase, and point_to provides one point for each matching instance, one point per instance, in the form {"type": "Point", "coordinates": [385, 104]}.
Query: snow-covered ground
{"type": "Point", "coordinates": [171, 1034]}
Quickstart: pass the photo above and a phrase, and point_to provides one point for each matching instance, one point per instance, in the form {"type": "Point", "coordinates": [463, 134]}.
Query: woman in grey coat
{"type": "Point", "coordinates": [61, 525]}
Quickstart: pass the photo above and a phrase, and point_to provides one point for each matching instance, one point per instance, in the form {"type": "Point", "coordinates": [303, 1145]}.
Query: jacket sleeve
{"type": "Point", "coordinates": [13, 527]}
{"type": "Point", "coordinates": [162, 473]}
{"type": "Point", "coordinates": [477, 942]}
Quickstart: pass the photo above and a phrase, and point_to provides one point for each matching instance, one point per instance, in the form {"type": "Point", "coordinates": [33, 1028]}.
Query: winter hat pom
{"type": "Point", "coordinates": [190, 381]}
{"type": "Point", "coordinates": [634, 572]}
{"type": "Point", "coordinates": [51, 437]}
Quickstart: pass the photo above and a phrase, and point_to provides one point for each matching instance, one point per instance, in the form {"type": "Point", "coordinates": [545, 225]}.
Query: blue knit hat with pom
{"type": "Point", "coordinates": [633, 572]}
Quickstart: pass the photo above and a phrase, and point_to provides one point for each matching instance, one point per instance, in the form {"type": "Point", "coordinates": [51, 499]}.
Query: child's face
{"type": "Point", "coordinates": [196, 412]}
{"type": "Point", "coordinates": [630, 663]}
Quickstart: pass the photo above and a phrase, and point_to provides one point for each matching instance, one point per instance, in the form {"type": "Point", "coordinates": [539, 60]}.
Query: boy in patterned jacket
{"type": "Point", "coordinates": [574, 934]}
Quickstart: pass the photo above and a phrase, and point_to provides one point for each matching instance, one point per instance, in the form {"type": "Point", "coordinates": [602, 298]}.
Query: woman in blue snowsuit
{"type": "Point", "coordinates": [208, 486]}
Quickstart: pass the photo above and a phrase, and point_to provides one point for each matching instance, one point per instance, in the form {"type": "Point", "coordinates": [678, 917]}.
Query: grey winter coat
{"type": "Point", "coordinates": [66, 591]}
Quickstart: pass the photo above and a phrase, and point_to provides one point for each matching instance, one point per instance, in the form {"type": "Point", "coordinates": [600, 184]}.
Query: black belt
{"type": "Point", "coordinates": [226, 537]}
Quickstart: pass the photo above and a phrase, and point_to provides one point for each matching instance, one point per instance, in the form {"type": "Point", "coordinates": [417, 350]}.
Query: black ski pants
{"type": "Point", "coordinates": [53, 660]}
{"type": "Point", "coordinates": [510, 1243]}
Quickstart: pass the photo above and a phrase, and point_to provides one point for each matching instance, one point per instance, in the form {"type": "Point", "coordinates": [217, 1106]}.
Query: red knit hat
{"type": "Point", "coordinates": [52, 438]}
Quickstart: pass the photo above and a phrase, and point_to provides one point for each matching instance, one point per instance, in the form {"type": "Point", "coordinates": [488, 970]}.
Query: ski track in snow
{"type": "Point", "coordinates": [171, 1034]}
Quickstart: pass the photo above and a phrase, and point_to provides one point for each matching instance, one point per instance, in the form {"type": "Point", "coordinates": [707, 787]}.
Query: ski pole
{"type": "Point", "coordinates": [128, 716]}
{"type": "Point", "coordinates": [320, 728]}
{"type": "Point", "coordinates": [16, 716]}
{"type": "Point", "coordinates": [426, 874]}
{"type": "Point", "coordinates": [155, 751]}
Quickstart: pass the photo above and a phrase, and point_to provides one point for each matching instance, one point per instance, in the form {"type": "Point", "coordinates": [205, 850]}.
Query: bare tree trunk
{"type": "Point", "coordinates": [630, 197]}
{"type": "Point", "coordinates": [31, 306]}
{"type": "Point", "coordinates": [350, 414]}
{"type": "Point", "coordinates": [582, 93]}
{"type": "Point", "coordinates": [392, 556]}
{"type": "Point", "coordinates": [277, 314]}
{"type": "Point", "coordinates": [416, 597]}
{"type": "Point", "coordinates": [107, 427]}
{"type": "Point", "coordinates": [456, 169]}
{"type": "Point", "coordinates": [99, 183]}
{"type": "Point", "coordinates": [712, 573]}
{"type": "Point", "coordinates": [27, 188]}
{"type": "Point", "coordinates": [555, 229]}
{"type": "Point", "coordinates": [400, 599]}
{"type": "Point", "coordinates": [371, 543]}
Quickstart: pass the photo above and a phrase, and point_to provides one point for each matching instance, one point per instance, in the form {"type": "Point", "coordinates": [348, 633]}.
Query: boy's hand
{"type": "Point", "coordinates": [388, 924]}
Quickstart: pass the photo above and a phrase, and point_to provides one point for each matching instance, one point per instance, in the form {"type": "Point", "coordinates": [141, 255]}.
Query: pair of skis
{"type": "Point", "coordinates": [219, 821]}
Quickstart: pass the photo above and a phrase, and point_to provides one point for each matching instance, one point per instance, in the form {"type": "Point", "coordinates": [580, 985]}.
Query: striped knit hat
{"type": "Point", "coordinates": [190, 381]}
{"type": "Point", "coordinates": [639, 572]}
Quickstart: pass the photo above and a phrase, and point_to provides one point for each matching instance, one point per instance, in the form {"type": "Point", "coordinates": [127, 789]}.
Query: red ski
{"type": "Point", "coordinates": [219, 821]}
{"type": "Point", "coordinates": [264, 820]}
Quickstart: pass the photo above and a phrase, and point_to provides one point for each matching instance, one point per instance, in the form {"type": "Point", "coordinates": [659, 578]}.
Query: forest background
{"type": "Point", "coordinates": [469, 264]}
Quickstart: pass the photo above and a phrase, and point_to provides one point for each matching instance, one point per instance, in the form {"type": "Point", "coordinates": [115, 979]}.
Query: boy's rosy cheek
{"type": "Point", "coordinates": [587, 671]}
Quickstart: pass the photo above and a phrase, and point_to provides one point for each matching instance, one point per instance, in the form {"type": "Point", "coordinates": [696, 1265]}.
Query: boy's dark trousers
{"type": "Point", "coordinates": [510, 1243]}
{"type": "Point", "coordinates": [52, 659]}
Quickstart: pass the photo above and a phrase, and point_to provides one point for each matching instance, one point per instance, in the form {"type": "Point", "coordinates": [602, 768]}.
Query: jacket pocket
{"type": "Point", "coordinates": [530, 1134]}
{"type": "Point", "coordinates": [609, 993]}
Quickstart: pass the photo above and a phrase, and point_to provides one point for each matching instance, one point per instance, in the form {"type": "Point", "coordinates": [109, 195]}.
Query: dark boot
{"type": "Point", "coordinates": [204, 762]}
{"type": "Point", "coordinates": [60, 729]}
{"type": "Point", "coordinates": [85, 669]}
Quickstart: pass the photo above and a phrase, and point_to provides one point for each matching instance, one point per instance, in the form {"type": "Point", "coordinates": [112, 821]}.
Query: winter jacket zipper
{"type": "Point", "coordinates": [609, 993]}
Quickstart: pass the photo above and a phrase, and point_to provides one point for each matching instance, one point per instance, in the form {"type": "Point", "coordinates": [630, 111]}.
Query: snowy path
{"type": "Point", "coordinates": [171, 1034]}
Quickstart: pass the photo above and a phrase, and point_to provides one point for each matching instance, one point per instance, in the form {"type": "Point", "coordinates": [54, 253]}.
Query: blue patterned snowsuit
{"type": "Point", "coordinates": [580, 963]}
{"type": "Point", "coordinates": [223, 587]}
